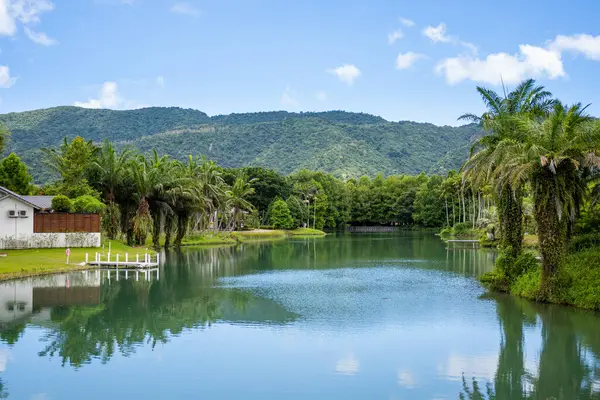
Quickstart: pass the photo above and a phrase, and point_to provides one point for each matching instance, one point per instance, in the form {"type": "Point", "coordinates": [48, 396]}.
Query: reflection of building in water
{"type": "Point", "coordinates": [20, 299]}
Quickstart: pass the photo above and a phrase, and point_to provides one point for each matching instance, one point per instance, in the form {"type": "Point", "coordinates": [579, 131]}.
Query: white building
{"type": "Point", "coordinates": [18, 224]}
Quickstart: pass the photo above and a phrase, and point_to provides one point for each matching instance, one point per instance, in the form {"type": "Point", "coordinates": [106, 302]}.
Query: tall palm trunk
{"type": "Point", "coordinates": [510, 214]}
{"type": "Point", "coordinates": [182, 224]}
{"type": "Point", "coordinates": [551, 230]}
{"type": "Point", "coordinates": [169, 222]}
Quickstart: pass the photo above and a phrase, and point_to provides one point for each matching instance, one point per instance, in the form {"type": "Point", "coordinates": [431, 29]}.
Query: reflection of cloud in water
{"type": "Point", "coordinates": [4, 357]}
{"type": "Point", "coordinates": [483, 367]}
{"type": "Point", "coordinates": [347, 365]}
{"type": "Point", "coordinates": [596, 386]}
{"type": "Point", "coordinates": [39, 396]}
{"type": "Point", "coordinates": [406, 379]}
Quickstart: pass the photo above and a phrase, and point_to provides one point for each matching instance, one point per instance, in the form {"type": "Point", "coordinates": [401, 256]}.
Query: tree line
{"type": "Point", "coordinates": [149, 194]}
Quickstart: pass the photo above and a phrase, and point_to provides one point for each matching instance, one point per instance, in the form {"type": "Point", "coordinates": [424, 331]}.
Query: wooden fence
{"type": "Point", "coordinates": [65, 222]}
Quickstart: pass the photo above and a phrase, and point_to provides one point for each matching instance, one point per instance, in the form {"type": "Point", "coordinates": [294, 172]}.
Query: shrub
{"type": "Point", "coordinates": [584, 242]}
{"type": "Point", "coordinates": [462, 228]}
{"type": "Point", "coordinates": [62, 203]}
{"type": "Point", "coordinates": [580, 279]}
{"type": "Point", "coordinates": [88, 204]}
{"type": "Point", "coordinates": [528, 284]}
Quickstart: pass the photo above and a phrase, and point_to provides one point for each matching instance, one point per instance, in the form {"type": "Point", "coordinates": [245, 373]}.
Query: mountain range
{"type": "Point", "coordinates": [345, 144]}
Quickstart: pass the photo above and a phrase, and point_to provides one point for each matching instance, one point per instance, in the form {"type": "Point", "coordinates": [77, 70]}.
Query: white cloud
{"type": "Point", "coordinates": [348, 365]}
{"type": "Point", "coordinates": [4, 358]}
{"type": "Point", "coordinates": [5, 79]}
{"type": "Point", "coordinates": [437, 33]}
{"type": "Point", "coordinates": [40, 37]}
{"type": "Point", "coordinates": [322, 96]}
{"type": "Point", "coordinates": [346, 73]}
{"type": "Point", "coordinates": [530, 62]}
{"type": "Point", "coordinates": [397, 34]}
{"type": "Point", "coordinates": [185, 9]}
{"type": "Point", "coordinates": [406, 60]}
{"type": "Point", "coordinates": [109, 97]}
{"type": "Point", "coordinates": [160, 81]}
{"type": "Point", "coordinates": [587, 45]}
{"type": "Point", "coordinates": [288, 98]}
{"type": "Point", "coordinates": [406, 379]}
{"type": "Point", "coordinates": [8, 25]}
{"type": "Point", "coordinates": [407, 22]}
{"type": "Point", "coordinates": [27, 12]}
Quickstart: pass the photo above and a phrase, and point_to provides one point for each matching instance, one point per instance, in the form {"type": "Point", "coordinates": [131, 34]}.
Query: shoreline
{"type": "Point", "coordinates": [27, 263]}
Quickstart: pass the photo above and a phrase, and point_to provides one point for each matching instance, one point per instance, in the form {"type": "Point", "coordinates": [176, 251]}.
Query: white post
{"type": "Point", "coordinates": [117, 274]}
{"type": "Point", "coordinates": [108, 274]}
{"type": "Point", "coordinates": [126, 257]}
{"type": "Point", "coordinates": [157, 259]}
{"type": "Point", "coordinates": [109, 256]}
{"type": "Point", "coordinates": [158, 274]}
{"type": "Point", "coordinates": [137, 275]}
{"type": "Point", "coordinates": [97, 258]}
{"type": "Point", "coordinates": [137, 258]}
{"type": "Point", "coordinates": [126, 274]}
{"type": "Point", "coordinates": [117, 260]}
{"type": "Point", "coordinates": [86, 258]}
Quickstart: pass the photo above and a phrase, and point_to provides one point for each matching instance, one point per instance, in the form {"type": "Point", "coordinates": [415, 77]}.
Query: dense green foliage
{"type": "Point", "coordinates": [88, 204]}
{"type": "Point", "coordinates": [342, 143]}
{"type": "Point", "coordinates": [537, 149]}
{"type": "Point", "coordinates": [14, 175]}
{"type": "Point", "coordinates": [280, 216]}
{"type": "Point", "coordinates": [62, 203]}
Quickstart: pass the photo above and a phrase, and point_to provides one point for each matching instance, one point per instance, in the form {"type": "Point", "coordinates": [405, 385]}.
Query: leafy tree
{"type": "Point", "coordinates": [72, 161]}
{"type": "Point", "coordinates": [62, 203]}
{"type": "Point", "coordinates": [429, 205]}
{"type": "Point", "coordinates": [298, 210]}
{"type": "Point", "coordinates": [280, 216]}
{"type": "Point", "coordinates": [14, 175]}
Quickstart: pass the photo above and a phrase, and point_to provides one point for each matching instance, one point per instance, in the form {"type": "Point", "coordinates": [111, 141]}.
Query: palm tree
{"type": "Point", "coordinates": [107, 175]}
{"type": "Point", "coordinates": [241, 189]}
{"type": "Point", "coordinates": [554, 156]}
{"type": "Point", "coordinates": [527, 101]}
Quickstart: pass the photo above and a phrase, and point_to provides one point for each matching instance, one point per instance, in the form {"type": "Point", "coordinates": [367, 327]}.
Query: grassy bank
{"type": "Point", "coordinates": [33, 262]}
{"type": "Point", "coordinates": [578, 282]}
{"type": "Point", "coordinates": [271, 234]}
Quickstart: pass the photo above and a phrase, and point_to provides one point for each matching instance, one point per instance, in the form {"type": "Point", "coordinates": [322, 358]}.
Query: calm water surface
{"type": "Point", "coordinates": [348, 317]}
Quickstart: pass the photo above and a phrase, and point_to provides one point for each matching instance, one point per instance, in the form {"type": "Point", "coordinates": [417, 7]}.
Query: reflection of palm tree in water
{"type": "Point", "coordinates": [563, 373]}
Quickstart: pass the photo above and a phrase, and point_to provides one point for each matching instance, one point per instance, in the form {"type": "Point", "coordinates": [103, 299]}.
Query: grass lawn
{"type": "Point", "coordinates": [31, 262]}
{"type": "Point", "coordinates": [267, 234]}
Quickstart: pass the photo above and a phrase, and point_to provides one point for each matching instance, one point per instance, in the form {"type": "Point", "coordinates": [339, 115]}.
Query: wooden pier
{"type": "Point", "coordinates": [141, 262]}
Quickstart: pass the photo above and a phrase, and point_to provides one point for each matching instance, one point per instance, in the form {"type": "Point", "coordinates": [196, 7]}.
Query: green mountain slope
{"type": "Point", "coordinates": [343, 143]}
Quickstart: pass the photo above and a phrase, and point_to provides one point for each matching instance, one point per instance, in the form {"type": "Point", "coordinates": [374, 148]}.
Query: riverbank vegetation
{"type": "Point", "coordinates": [548, 153]}
{"type": "Point", "coordinates": [156, 197]}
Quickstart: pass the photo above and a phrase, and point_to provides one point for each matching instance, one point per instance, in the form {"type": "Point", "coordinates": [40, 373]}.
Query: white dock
{"type": "Point", "coordinates": [462, 241]}
{"type": "Point", "coordinates": [143, 261]}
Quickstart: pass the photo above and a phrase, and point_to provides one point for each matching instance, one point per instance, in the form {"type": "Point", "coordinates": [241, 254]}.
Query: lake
{"type": "Point", "coordinates": [343, 317]}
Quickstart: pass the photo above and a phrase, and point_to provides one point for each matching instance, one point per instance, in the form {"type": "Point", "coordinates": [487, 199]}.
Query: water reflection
{"type": "Point", "coordinates": [399, 316]}
{"type": "Point", "coordinates": [568, 364]}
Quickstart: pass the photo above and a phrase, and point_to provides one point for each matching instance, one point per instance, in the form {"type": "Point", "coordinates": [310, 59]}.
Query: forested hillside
{"type": "Point", "coordinates": [345, 144]}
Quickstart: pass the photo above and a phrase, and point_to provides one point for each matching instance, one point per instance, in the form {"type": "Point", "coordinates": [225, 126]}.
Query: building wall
{"type": "Point", "coordinates": [15, 226]}
{"type": "Point", "coordinates": [51, 240]}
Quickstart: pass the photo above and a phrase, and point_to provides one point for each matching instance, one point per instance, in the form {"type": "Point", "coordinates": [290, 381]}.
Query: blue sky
{"type": "Point", "coordinates": [403, 60]}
